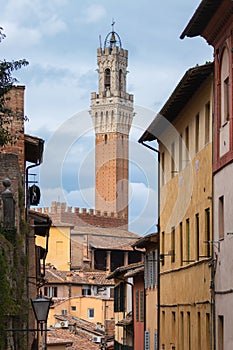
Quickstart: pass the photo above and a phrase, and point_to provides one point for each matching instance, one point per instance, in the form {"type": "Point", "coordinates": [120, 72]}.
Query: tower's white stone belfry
{"type": "Point", "coordinates": [112, 115]}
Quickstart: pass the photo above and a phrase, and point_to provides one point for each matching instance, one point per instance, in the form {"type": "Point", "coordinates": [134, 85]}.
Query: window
{"type": "Point", "coordinates": [199, 330]}
{"type": "Point", "coordinates": [188, 240]}
{"type": "Point", "coordinates": [197, 235]}
{"type": "Point", "coordinates": [220, 332]}
{"type": "Point", "coordinates": [107, 119]}
{"type": "Point", "coordinates": [187, 145]}
{"type": "Point", "coordinates": [50, 292]}
{"type": "Point", "coordinates": [180, 153]}
{"type": "Point", "coordinates": [173, 326]}
{"type": "Point", "coordinates": [73, 308]}
{"type": "Point", "coordinates": [189, 331]}
{"type": "Point", "coordinates": [90, 313]}
{"type": "Point", "coordinates": [137, 305]}
{"type": "Point", "coordinates": [141, 306]}
{"type": "Point", "coordinates": [120, 80]}
{"type": "Point", "coordinates": [162, 169]}
{"type": "Point", "coordinates": [197, 133]}
{"type": "Point", "coordinates": [226, 99]}
{"type": "Point", "coordinates": [64, 312]}
{"type": "Point", "coordinates": [155, 341]}
{"type": "Point", "coordinates": [207, 123]}
{"type": "Point", "coordinates": [172, 159]}
{"type": "Point", "coordinates": [182, 330]}
{"type": "Point", "coordinates": [147, 340]}
{"type": "Point", "coordinates": [225, 91]}
{"type": "Point", "coordinates": [221, 216]}
{"type": "Point", "coordinates": [86, 291]}
{"type": "Point", "coordinates": [173, 245]}
{"type": "Point", "coordinates": [151, 269]}
{"type": "Point", "coordinates": [181, 243]}
{"type": "Point", "coordinates": [163, 325]}
{"type": "Point", "coordinates": [207, 330]}
{"type": "Point", "coordinates": [105, 139]}
{"type": "Point", "coordinates": [207, 231]}
{"type": "Point", "coordinates": [107, 79]}
{"type": "Point", "coordinates": [119, 297]}
{"type": "Point", "coordinates": [163, 246]}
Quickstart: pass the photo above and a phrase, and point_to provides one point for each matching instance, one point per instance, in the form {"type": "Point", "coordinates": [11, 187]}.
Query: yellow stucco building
{"type": "Point", "coordinates": [150, 244]}
{"type": "Point", "coordinates": [183, 130]}
{"type": "Point", "coordinates": [90, 308]}
{"type": "Point", "coordinates": [59, 246]}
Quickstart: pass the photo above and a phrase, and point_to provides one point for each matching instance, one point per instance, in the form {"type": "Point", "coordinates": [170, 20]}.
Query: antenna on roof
{"type": "Point", "coordinates": [100, 41]}
{"type": "Point", "coordinates": [113, 22]}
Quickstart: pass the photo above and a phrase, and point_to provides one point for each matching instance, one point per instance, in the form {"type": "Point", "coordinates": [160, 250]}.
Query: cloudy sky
{"type": "Point", "coordinates": [59, 38]}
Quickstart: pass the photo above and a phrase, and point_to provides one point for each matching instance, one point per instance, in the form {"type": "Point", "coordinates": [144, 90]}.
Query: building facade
{"type": "Point", "coordinates": [183, 130]}
{"type": "Point", "coordinates": [214, 22]}
{"type": "Point", "coordinates": [21, 259]}
{"type": "Point", "coordinates": [128, 306]}
{"type": "Point", "coordinates": [150, 280]}
{"type": "Point", "coordinates": [112, 115]}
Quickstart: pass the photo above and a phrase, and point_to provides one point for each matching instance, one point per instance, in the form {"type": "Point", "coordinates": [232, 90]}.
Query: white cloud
{"type": "Point", "coordinates": [48, 195]}
{"type": "Point", "coordinates": [94, 13]}
{"type": "Point", "coordinates": [53, 25]}
{"type": "Point", "coordinates": [82, 199]}
{"type": "Point", "coordinates": [22, 37]}
{"type": "Point", "coordinates": [142, 208]}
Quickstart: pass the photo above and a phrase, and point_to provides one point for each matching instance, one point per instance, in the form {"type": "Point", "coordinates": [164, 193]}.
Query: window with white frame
{"type": "Point", "coordinates": [50, 292]}
{"type": "Point", "coordinates": [86, 290]}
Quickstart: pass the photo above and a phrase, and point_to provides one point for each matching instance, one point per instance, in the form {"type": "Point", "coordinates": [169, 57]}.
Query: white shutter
{"type": "Point", "coordinates": [155, 341]}
{"type": "Point", "coordinates": [156, 267]}
{"type": "Point", "coordinates": [147, 340]}
{"type": "Point", "coordinates": [151, 264]}
{"type": "Point", "coordinates": [146, 271]}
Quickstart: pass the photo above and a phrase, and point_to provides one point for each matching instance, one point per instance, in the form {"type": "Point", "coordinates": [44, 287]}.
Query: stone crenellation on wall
{"type": "Point", "coordinates": [61, 213]}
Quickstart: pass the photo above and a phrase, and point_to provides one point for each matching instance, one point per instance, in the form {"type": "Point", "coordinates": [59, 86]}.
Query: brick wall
{"type": "Point", "coordinates": [16, 104]}
{"type": "Point", "coordinates": [9, 168]}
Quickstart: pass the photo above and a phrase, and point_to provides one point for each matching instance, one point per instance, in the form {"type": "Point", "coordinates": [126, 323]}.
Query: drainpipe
{"type": "Point", "coordinates": [158, 229]}
{"type": "Point", "coordinates": [213, 266]}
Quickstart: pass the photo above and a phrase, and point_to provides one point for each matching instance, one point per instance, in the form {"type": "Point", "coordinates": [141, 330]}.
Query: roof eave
{"type": "Point", "coordinates": [185, 89]}
{"type": "Point", "coordinates": [201, 18]}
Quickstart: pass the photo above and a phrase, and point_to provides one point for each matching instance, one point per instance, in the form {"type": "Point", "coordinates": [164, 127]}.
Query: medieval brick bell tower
{"type": "Point", "coordinates": [112, 115]}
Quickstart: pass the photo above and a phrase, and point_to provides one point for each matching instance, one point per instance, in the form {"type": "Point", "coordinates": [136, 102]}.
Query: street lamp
{"type": "Point", "coordinates": [41, 310]}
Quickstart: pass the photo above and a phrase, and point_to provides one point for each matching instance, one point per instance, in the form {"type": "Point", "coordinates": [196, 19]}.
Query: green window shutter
{"type": "Point", "coordinates": [137, 306]}
{"type": "Point", "coordinates": [141, 306]}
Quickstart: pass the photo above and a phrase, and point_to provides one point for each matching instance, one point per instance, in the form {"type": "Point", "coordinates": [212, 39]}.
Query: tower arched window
{"type": "Point", "coordinates": [107, 121]}
{"type": "Point", "coordinates": [121, 82]}
{"type": "Point", "coordinates": [101, 119]}
{"type": "Point", "coordinates": [107, 78]}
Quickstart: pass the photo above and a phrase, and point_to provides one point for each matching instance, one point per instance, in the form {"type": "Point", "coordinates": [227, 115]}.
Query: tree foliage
{"type": "Point", "coordinates": [6, 83]}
